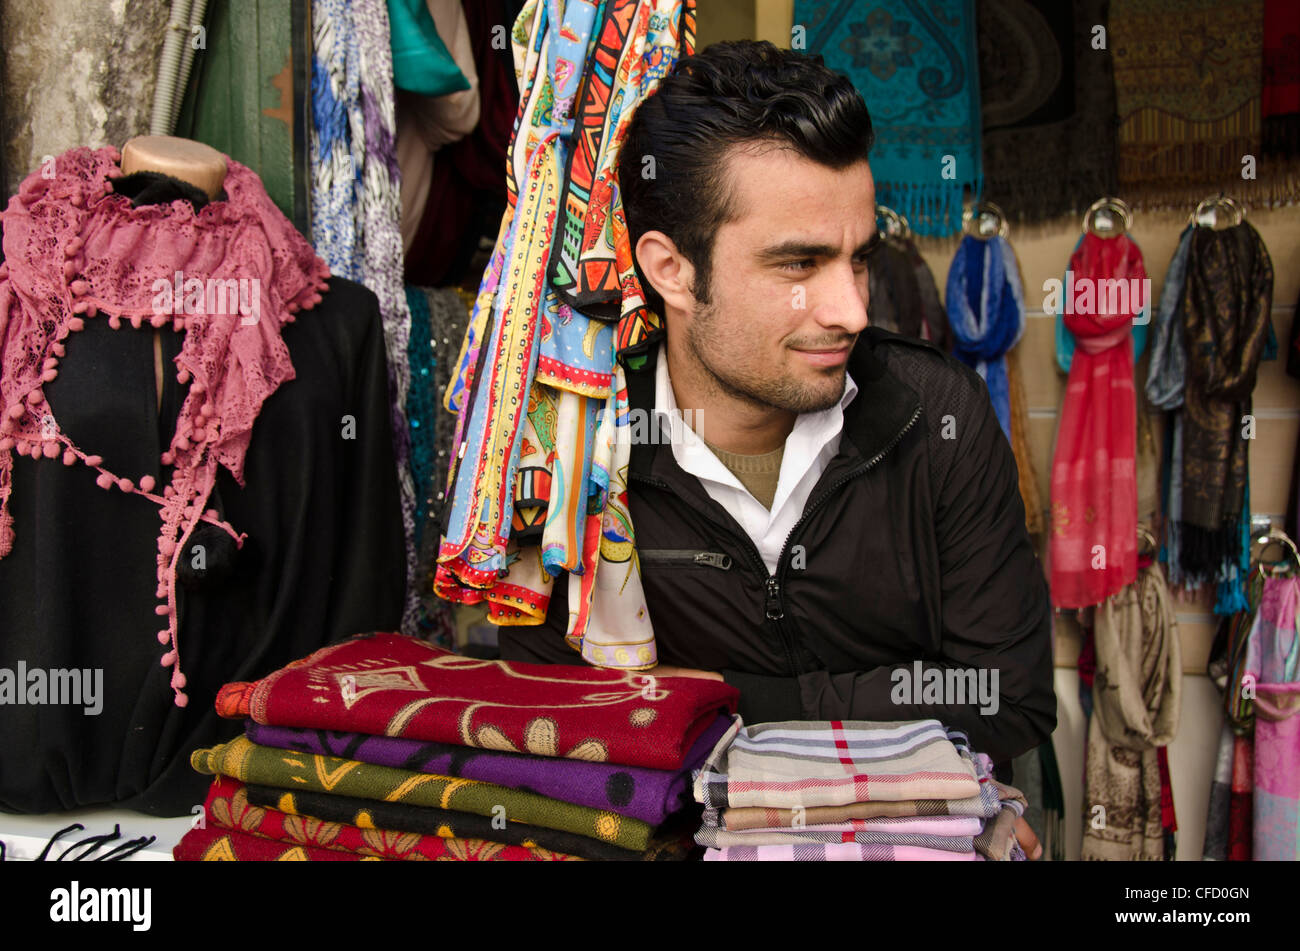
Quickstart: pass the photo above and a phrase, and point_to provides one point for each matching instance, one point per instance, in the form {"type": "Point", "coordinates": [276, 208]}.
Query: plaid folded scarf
{"type": "Point", "coordinates": [947, 833]}
{"type": "Point", "coordinates": [242, 760]}
{"type": "Point", "coordinates": [390, 685]}
{"type": "Point", "coordinates": [836, 852]}
{"type": "Point", "coordinates": [646, 794]}
{"type": "Point", "coordinates": [229, 806]}
{"type": "Point", "coordinates": [806, 763]}
{"type": "Point", "coordinates": [739, 818]}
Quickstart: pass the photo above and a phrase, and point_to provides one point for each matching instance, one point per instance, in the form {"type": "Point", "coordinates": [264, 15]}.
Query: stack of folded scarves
{"type": "Point", "coordinates": [386, 747]}
{"type": "Point", "coordinates": [853, 791]}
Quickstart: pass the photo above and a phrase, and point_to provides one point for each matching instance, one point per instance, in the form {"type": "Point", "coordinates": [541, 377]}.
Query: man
{"type": "Point", "coordinates": [844, 514]}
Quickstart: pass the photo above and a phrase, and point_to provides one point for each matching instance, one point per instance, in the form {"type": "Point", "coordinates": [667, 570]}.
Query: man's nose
{"type": "Point", "coordinates": [843, 301]}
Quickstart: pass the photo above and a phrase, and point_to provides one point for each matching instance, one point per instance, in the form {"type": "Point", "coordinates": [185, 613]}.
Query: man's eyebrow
{"type": "Point", "coordinates": [787, 250]}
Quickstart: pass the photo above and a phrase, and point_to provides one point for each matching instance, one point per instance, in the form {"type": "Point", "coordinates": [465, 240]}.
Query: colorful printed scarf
{"type": "Point", "coordinates": [245, 761]}
{"type": "Point", "coordinates": [216, 844]}
{"type": "Point", "coordinates": [390, 685]}
{"type": "Point", "coordinates": [806, 763]}
{"type": "Point", "coordinates": [1094, 472]}
{"type": "Point", "coordinates": [646, 794]}
{"type": "Point", "coordinates": [1227, 309]}
{"type": "Point", "coordinates": [231, 806]}
{"type": "Point", "coordinates": [543, 431]}
{"type": "Point", "coordinates": [442, 823]}
{"type": "Point", "coordinates": [916, 67]}
{"type": "Point", "coordinates": [1273, 663]}
{"type": "Point", "coordinates": [986, 309]}
{"type": "Point", "coordinates": [1187, 91]}
{"type": "Point", "coordinates": [1047, 99]}
{"type": "Point", "coordinates": [356, 197]}
{"type": "Point", "coordinates": [74, 250]}
{"type": "Point", "coordinates": [1136, 704]}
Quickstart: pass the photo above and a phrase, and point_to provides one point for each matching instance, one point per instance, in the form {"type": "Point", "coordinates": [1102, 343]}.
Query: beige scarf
{"type": "Point", "coordinates": [1137, 696]}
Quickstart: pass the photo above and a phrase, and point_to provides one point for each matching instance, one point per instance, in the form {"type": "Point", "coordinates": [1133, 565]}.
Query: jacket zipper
{"type": "Point", "coordinates": [774, 581]}
{"type": "Point", "coordinates": [772, 602]}
{"type": "Point", "coordinates": [713, 559]}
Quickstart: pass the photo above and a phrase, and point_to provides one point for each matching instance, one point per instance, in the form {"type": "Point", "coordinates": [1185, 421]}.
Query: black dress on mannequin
{"type": "Point", "coordinates": [324, 557]}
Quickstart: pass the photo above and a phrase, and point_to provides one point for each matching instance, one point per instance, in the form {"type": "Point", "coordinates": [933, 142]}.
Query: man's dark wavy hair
{"type": "Point", "coordinates": [725, 95]}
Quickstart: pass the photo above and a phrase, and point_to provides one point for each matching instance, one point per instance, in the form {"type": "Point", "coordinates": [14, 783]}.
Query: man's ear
{"type": "Point", "coordinates": [667, 269]}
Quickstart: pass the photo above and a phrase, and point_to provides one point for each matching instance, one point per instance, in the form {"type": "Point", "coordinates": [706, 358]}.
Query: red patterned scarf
{"type": "Point", "coordinates": [390, 685]}
{"type": "Point", "coordinates": [1094, 471]}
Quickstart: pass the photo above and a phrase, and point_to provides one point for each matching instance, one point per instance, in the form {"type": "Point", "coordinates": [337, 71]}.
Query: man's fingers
{"type": "Point", "coordinates": [1028, 841]}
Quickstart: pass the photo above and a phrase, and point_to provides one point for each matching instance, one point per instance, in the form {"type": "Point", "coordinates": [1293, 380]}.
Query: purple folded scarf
{"type": "Point", "coordinates": [636, 792]}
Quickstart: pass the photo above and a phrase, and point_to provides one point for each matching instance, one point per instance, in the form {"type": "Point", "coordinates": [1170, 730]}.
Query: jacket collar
{"type": "Point", "coordinates": [882, 408]}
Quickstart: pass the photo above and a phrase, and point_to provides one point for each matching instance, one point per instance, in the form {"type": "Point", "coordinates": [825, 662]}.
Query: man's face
{"type": "Point", "coordinates": [788, 290]}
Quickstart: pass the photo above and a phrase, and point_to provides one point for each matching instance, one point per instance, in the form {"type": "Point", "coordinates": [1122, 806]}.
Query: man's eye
{"type": "Point", "coordinates": [799, 265]}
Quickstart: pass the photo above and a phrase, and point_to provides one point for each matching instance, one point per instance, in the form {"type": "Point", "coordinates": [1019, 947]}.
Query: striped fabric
{"type": "Point", "coordinates": [946, 833]}
{"type": "Point", "coordinates": [804, 763]}
{"type": "Point", "coordinates": [842, 852]}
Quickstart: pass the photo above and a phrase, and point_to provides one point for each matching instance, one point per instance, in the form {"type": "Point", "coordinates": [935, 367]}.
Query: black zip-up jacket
{"type": "Point", "coordinates": [911, 547]}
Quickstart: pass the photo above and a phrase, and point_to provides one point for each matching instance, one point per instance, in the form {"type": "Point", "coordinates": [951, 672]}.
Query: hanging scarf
{"type": "Point", "coordinates": [1136, 704]}
{"type": "Point", "coordinates": [544, 468]}
{"type": "Point", "coordinates": [636, 47]}
{"type": "Point", "coordinates": [1048, 105]}
{"type": "Point", "coordinates": [934, 320]}
{"type": "Point", "coordinates": [1026, 475]}
{"type": "Point", "coordinates": [986, 309]}
{"type": "Point", "coordinates": [1227, 302]}
{"type": "Point", "coordinates": [356, 198]}
{"type": "Point", "coordinates": [916, 67]}
{"type": "Point", "coordinates": [1273, 664]}
{"type": "Point", "coordinates": [1280, 101]}
{"type": "Point", "coordinates": [1094, 470]}
{"type": "Point", "coordinates": [73, 251]}
{"type": "Point", "coordinates": [1188, 79]}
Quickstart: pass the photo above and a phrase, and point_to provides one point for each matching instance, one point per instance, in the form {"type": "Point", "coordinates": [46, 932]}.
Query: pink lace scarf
{"type": "Point", "coordinates": [73, 251]}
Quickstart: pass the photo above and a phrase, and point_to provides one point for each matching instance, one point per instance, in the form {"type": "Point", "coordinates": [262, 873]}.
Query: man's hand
{"type": "Point", "coordinates": [663, 670]}
{"type": "Point", "coordinates": [1028, 841]}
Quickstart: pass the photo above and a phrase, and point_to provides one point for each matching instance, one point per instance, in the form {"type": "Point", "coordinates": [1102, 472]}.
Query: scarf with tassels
{"type": "Point", "coordinates": [986, 310]}
{"type": "Point", "coordinates": [1227, 301]}
{"type": "Point", "coordinates": [1094, 471]}
{"type": "Point", "coordinates": [73, 251]}
{"type": "Point", "coordinates": [916, 66]}
{"type": "Point", "coordinates": [1137, 693]}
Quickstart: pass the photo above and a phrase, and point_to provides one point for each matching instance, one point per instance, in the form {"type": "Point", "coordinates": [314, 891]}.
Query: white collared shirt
{"type": "Point", "coordinates": [811, 445]}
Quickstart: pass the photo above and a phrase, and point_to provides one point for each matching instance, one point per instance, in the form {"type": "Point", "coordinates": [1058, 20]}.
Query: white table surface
{"type": "Point", "coordinates": [25, 836]}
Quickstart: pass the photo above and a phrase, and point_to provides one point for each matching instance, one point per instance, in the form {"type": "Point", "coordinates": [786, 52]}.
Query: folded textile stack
{"type": "Point", "coordinates": [386, 747]}
{"type": "Point", "coordinates": [853, 791]}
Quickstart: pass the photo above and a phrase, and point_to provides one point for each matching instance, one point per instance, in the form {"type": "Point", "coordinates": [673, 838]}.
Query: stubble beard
{"type": "Point", "coordinates": [783, 392]}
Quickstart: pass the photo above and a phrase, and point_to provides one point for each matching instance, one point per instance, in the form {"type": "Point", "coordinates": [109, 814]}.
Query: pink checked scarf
{"type": "Point", "coordinates": [1273, 660]}
{"type": "Point", "coordinates": [74, 251]}
{"type": "Point", "coordinates": [1094, 471]}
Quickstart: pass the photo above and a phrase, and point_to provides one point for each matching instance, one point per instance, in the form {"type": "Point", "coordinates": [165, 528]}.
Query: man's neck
{"type": "Point", "coordinates": [721, 418]}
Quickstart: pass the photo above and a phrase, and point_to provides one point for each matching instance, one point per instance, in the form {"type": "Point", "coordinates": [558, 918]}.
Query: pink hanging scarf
{"type": "Point", "coordinates": [73, 251]}
{"type": "Point", "coordinates": [1094, 471]}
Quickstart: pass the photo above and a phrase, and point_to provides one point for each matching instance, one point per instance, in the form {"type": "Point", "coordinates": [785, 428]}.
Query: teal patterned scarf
{"type": "Point", "coordinates": [915, 65]}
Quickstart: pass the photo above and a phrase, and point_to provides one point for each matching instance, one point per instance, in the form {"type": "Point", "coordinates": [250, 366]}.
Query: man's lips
{"type": "Point", "coordinates": [823, 357]}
